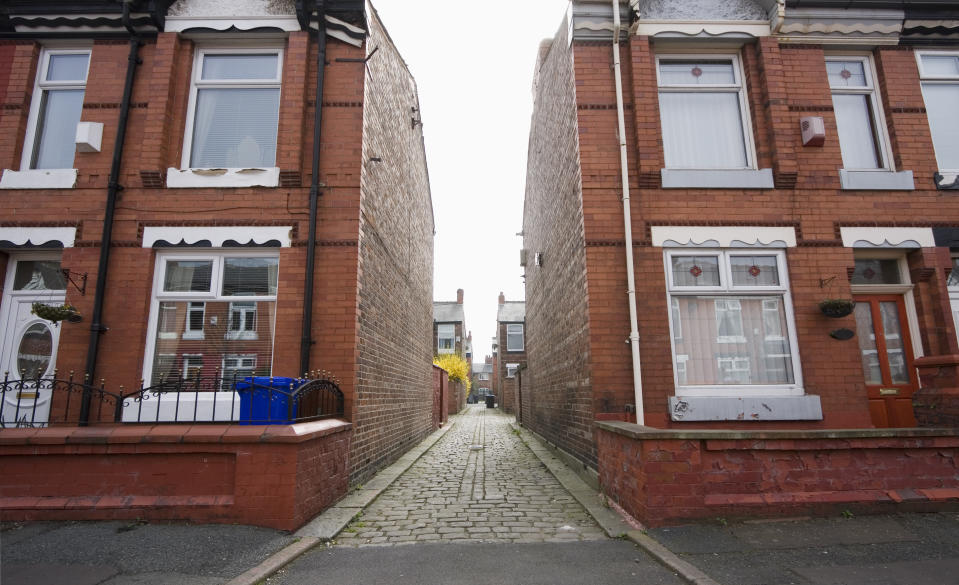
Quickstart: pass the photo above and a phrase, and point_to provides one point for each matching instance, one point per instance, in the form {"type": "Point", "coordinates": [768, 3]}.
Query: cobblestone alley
{"type": "Point", "coordinates": [480, 482]}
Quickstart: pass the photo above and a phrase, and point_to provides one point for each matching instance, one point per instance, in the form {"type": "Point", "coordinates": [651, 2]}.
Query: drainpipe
{"type": "Point", "coordinates": [627, 219]}
{"type": "Point", "coordinates": [306, 341]}
{"type": "Point", "coordinates": [113, 189]}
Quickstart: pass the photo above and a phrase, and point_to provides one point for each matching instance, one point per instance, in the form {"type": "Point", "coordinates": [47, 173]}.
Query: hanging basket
{"type": "Point", "coordinates": [837, 308]}
{"type": "Point", "coordinates": [56, 313]}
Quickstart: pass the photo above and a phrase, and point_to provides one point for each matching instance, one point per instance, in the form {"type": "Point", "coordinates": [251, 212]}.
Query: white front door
{"type": "Point", "coordinates": [28, 344]}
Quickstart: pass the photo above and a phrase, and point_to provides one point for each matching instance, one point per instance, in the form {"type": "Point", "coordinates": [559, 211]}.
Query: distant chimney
{"type": "Point", "coordinates": [489, 359]}
{"type": "Point", "coordinates": [459, 296]}
{"type": "Point", "coordinates": [502, 298]}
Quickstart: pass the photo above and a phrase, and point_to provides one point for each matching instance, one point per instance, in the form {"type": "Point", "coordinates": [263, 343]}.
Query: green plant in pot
{"type": "Point", "coordinates": [837, 307]}
{"type": "Point", "coordinates": [56, 313]}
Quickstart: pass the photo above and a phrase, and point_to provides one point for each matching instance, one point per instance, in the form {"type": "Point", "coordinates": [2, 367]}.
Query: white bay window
{"type": "Point", "coordinates": [218, 305]}
{"type": "Point", "coordinates": [734, 313]}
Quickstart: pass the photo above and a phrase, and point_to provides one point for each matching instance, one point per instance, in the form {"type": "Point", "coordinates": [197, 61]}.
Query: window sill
{"type": "Point", "coordinates": [744, 408]}
{"type": "Point", "coordinates": [39, 179]}
{"type": "Point", "coordinates": [717, 179]}
{"type": "Point", "coordinates": [199, 335]}
{"type": "Point", "coordinates": [248, 336]}
{"type": "Point", "coordinates": [222, 178]}
{"type": "Point", "coordinates": [876, 180]}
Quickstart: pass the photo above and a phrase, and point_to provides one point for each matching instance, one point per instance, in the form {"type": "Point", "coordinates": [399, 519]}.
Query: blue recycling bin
{"type": "Point", "coordinates": [265, 400]}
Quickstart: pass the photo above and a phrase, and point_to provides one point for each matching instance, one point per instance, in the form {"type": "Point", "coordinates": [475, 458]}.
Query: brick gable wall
{"type": "Point", "coordinates": [558, 348]}
{"type": "Point", "coordinates": [394, 345]}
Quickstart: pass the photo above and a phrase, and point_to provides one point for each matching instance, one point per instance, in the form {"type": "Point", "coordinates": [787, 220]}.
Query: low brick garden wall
{"type": "Point", "coordinates": [667, 476]}
{"type": "Point", "coordinates": [277, 476]}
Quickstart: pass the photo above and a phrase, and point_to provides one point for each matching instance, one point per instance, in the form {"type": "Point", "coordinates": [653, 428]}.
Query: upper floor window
{"type": "Point", "coordinates": [514, 337]}
{"type": "Point", "coordinates": [445, 338]}
{"type": "Point", "coordinates": [940, 90]}
{"type": "Point", "coordinates": [234, 109]}
{"type": "Point", "coordinates": [859, 118]}
{"type": "Point", "coordinates": [55, 110]}
{"type": "Point", "coordinates": [702, 106]}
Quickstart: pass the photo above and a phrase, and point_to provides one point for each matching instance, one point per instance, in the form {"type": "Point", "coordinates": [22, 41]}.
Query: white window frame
{"type": "Point", "coordinates": [726, 288]}
{"type": "Point", "coordinates": [878, 119]}
{"type": "Point", "coordinates": [187, 357]}
{"type": "Point", "coordinates": [484, 376]}
{"type": "Point", "coordinates": [219, 258]}
{"type": "Point", "coordinates": [739, 88]}
{"type": "Point", "coordinates": [162, 316]}
{"type": "Point", "coordinates": [227, 379]}
{"type": "Point", "coordinates": [734, 307]}
{"type": "Point", "coordinates": [196, 83]}
{"type": "Point", "coordinates": [188, 331]}
{"type": "Point", "coordinates": [522, 334]}
{"type": "Point", "coordinates": [775, 311]}
{"type": "Point", "coordinates": [40, 87]}
{"type": "Point", "coordinates": [511, 370]}
{"type": "Point", "coordinates": [927, 78]}
{"type": "Point", "coordinates": [954, 298]}
{"type": "Point", "coordinates": [247, 314]}
{"type": "Point", "coordinates": [440, 329]}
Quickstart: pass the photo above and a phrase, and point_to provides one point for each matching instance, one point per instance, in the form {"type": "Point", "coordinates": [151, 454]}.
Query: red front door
{"type": "Point", "coordinates": [886, 352]}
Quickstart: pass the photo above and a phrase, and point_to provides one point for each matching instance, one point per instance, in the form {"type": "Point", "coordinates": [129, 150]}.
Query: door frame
{"type": "Point", "coordinates": [905, 290]}
{"type": "Point", "coordinates": [6, 302]}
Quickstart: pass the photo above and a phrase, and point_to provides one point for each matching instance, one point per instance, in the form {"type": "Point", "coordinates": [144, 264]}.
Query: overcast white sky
{"type": "Point", "coordinates": [473, 63]}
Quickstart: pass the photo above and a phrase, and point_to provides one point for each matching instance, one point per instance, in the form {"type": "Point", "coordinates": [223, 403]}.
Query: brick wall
{"type": "Point", "coordinates": [558, 345]}
{"type": "Point", "coordinates": [394, 349]}
{"type": "Point", "coordinates": [668, 477]}
{"type": "Point", "coordinates": [277, 476]}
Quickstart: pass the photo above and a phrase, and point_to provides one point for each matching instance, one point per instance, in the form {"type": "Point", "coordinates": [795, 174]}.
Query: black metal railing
{"type": "Point", "coordinates": [42, 402]}
{"type": "Point", "coordinates": [245, 400]}
{"type": "Point", "coordinates": [241, 400]}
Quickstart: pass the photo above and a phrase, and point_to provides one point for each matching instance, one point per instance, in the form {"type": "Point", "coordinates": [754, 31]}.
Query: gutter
{"type": "Point", "coordinates": [627, 219]}
{"type": "Point", "coordinates": [97, 328]}
{"type": "Point", "coordinates": [306, 341]}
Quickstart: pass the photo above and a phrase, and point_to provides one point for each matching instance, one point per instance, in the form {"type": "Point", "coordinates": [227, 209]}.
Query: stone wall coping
{"type": "Point", "coordinates": [186, 433]}
{"type": "Point", "coordinates": [934, 361]}
{"type": "Point", "coordinates": [635, 431]}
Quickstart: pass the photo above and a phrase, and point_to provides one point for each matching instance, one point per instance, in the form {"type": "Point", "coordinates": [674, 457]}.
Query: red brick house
{"type": "Point", "coordinates": [695, 189]}
{"type": "Point", "coordinates": [214, 203]}
{"type": "Point", "coordinates": [511, 348]}
{"type": "Point", "coordinates": [449, 327]}
{"type": "Point", "coordinates": [483, 380]}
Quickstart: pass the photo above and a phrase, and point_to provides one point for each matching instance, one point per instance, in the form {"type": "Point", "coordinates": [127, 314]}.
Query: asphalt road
{"type": "Point", "coordinates": [609, 562]}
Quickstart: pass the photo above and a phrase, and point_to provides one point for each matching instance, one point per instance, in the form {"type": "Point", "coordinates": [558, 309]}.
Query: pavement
{"type": "Point", "coordinates": [483, 501]}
